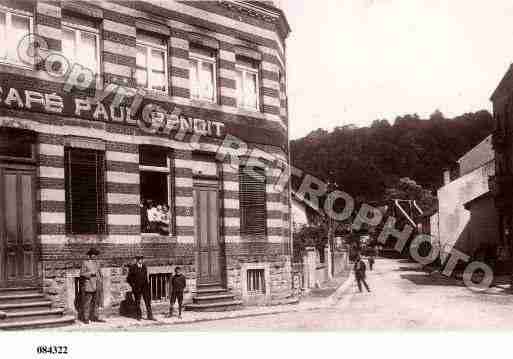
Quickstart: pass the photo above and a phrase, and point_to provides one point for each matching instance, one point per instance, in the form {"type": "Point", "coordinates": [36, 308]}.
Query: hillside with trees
{"type": "Point", "coordinates": [368, 162]}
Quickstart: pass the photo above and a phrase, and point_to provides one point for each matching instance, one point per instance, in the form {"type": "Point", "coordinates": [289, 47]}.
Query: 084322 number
{"type": "Point", "coordinates": [52, 349]}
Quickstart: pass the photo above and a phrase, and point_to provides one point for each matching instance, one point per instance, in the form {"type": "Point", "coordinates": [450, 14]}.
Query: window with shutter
{"type": "Point", "coordinates": [85, 191]}
{"type": "Point", "coordinates": [252, 201]}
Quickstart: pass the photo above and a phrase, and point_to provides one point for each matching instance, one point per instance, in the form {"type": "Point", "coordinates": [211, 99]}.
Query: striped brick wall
{"type": "Point", "coordinates": [283, 100]}
{"type": "Point", "coordinates": [226, 75]}
{"type": "Point", "coordinates": [118, 54]}
{"type": "Point", "coordinates": [231, 220]}
{"type": "Point", "coordinates": [51, 194]}
{"type": "Point", "coordinates": [122, 188]}
{"type": "Point", "coordinates": [184, 202]}
{"type": "Point", "coordinates": [179, 64]}
{"type": "Point", "coordinates": [275, 209]}
{"type": "Point", "coordinates": [270, 88]}
{"type": "Point", "coordinates": [47, 22]}
{"type": "Point", "coordinates": [119, 51]}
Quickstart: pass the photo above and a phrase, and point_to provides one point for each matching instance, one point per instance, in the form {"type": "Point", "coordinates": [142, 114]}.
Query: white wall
{"type": "Point", "coordinates": [453, 217]}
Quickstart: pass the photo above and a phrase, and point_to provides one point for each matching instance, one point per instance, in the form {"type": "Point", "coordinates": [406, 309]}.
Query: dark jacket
{"type": "Point", "coordinates": [178, 283]}
{"type": "Point", "coordinates": [359, 268]}
{"type": "Point", "coordinates": [138, 278]}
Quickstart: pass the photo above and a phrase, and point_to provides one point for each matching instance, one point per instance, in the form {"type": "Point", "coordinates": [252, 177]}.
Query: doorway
{"type": "Point", "coordinates": [18, 249]}
{"type": "Point", "coordinates": [207, 232]}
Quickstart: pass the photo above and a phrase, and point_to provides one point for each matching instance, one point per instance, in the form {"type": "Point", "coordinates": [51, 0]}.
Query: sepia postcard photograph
{"type": "Point", "coordinates": [174, 170]}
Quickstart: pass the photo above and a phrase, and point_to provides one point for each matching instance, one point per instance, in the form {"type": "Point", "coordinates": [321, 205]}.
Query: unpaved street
{"type": "Point", "coordinates": [402, 297]}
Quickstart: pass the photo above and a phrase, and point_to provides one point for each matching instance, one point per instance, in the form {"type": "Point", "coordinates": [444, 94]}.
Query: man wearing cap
{"type": "Point", "coordinates": [138, 280]}
{"type": "Point", "coordinates": [90, 277]}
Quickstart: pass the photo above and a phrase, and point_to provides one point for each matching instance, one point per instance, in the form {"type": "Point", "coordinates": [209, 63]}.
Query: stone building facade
{"type": "Point", "coordinates": [501, 184]}
{"type": "Point", "coordinates": [162, 132]}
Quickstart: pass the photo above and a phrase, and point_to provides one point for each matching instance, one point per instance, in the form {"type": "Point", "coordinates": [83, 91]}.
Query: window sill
{"type": "Point", "coordinates": [250, 111]}
{"type": "Point", "coordinates": [200, 102]}
{"type": "Point", "coordinates": [155, 235]}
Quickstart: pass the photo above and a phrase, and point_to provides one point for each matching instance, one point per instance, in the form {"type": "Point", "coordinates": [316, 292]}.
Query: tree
{"type": "Point", "coordinates": [315, 235]}
{"type": "Point", "coordinates": [366, 161]}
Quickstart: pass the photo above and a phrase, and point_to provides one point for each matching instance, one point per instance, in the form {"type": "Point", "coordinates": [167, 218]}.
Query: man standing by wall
{"type": "Point", "coordinates": [90, 277]}
{"type": "Point", "coordinates": [138, 280]}
{"type": "Point", "coordinates": [178, 283]}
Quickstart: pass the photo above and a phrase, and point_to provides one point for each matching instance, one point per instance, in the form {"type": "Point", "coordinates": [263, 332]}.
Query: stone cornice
{"type": "Point", "coordinates": [261, 11]}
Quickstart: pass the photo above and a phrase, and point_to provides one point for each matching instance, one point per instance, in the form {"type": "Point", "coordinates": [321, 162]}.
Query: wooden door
{"type": "Point", "coordinates": [17, 227]}
{"type": "Point", "coordinates": [206, 229]}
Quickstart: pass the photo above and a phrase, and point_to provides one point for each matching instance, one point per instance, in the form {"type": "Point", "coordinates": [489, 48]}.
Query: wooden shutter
{"type": "Point", "coordinates": [85, 194]}
{"type": "Point", "coordinates": [252, 201]}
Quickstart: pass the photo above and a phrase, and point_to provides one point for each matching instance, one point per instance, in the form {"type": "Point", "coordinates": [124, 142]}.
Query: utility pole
{"type": "Point", "coordinates": [331, 230]}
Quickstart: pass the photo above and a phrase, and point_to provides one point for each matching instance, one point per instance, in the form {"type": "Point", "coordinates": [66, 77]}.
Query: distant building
{"type": "Point", "coordinates": [466, 219]}
{"type": "Point", "coordinates": [501, 184]}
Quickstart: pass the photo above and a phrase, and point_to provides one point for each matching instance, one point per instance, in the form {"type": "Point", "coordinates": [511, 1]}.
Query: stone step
{"type": "Point", "coordinates": [40, 314]}
{"type": "Point", "coordinates": [215, 307]}
{"type": "Point", "coordinates": [209, 285]}
{"type": "Point", "coordinates": [209, 291]}
{"type": "Point", "coordinates": [19, 307]}
{"type": "Point", "coordinates": [19, 290]}
{"type": "Point", "coordinates": [22, 297]}
{"type": "Point", "coordinates": [213, 298]}
{"type": "Point", "coordinates": [38, 323]}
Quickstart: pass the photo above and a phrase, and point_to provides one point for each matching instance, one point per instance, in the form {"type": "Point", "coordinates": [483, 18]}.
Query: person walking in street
{"type": "Point", "coordinates": [90, 278]}
{"type": "Point", "coordinates": [178, 284]}
{"type": "Point", "coordinates": [359, 273]}
{"type": "Point", "coordinates": [372, 258]}
{"type": "Point", "coordinates": [138, 280]}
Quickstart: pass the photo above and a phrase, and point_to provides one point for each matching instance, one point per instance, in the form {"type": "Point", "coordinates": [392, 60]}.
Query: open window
{"type": "Point", "coordinates": [156, 189]}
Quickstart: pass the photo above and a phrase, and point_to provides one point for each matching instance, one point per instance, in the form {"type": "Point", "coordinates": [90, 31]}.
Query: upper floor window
{"type": "Point", "coordinates": [203, 74]}
{"type": "Point", "coordinates": [80, 45]}
{"type": "Point", "coordinates": [247, 82]}
{"type": "Point", "coordinates": [13, 28]}
{"type": "Point", "coordinates": [151, 71]}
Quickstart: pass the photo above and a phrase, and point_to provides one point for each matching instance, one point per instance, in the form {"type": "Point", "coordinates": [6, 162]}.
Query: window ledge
{"type": "Point", "coordinates": [203, 103]}
{"type": "Point", "coordinates": [158, 237]}
{"type": "Point", "coordinates": [251, 113]}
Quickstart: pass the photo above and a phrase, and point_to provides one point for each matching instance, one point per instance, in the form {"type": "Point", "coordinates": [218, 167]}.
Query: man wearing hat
{"type": "Point", "coordinates": [138, 280]}
{"type": "Point", "coordinates": [90, 277]}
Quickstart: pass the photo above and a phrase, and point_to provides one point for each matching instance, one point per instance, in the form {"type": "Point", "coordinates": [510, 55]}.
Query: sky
{"type": "Point", "coordinates": [354, 61]}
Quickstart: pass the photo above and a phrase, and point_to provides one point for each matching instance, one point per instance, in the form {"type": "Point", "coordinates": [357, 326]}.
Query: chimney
{"type": "Point", "coordinates": [447, 176]}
